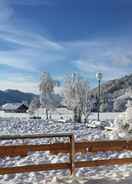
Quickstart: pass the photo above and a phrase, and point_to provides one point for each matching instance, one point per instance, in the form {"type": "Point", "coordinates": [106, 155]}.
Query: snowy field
{"type": "Point", "coordinates": [12, 124]}
{"type": "Point", "coordinates": [56, 115]}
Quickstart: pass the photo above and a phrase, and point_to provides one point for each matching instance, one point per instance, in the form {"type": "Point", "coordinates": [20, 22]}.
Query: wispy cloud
{"type": "Point", "coordinates": [32, 51]}
{"type": "Point", "coordinates": [109, 72]}
{"type": "Point", "coordinates": [36, 53]}
{"type": "Point", "coordinates": [112, 57]}
{"type": "Point", "coordinates": [27, 39]}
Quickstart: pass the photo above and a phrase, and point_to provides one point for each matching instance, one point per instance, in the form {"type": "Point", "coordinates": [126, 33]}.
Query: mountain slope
{"type": "Point", "coordinates": [116, 87]}
{"type": "Point", "coordinates": [115, 94]}
{"type": "Point", "coordinates": [13, 96]}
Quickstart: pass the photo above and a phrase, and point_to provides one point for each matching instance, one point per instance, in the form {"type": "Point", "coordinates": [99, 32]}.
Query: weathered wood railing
{"type": "Point", "coordinates": [69, 147]}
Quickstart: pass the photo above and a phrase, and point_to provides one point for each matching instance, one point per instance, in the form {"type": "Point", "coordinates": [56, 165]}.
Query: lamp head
{"type": "Point", "coordinates": [99, 76]}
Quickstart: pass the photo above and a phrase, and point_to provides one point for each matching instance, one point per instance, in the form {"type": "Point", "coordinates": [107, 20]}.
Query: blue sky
{"type": "Point", "coordinates": [61, 37]}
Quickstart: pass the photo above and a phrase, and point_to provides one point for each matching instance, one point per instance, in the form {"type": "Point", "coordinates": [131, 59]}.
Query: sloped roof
{"type": "Point", "coordinates": [12, 106]}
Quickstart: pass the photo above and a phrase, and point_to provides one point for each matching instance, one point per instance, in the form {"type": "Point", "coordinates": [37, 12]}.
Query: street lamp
{"type": "Point", "coordinates": [99, 77]}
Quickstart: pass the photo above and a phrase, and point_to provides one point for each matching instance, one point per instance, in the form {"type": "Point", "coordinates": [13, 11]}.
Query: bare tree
{"type": "Point", "coordinates": [77, 96]}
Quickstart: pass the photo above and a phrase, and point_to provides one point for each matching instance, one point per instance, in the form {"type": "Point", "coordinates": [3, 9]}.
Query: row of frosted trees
{"type": "Point", "coordinates": [75, 96]}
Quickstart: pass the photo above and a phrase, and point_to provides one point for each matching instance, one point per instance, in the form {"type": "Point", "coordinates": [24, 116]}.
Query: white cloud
{"type": "Point", "coordinates": [112, 57]}
{"type": "Point", "coordinates": [16, 60]}
{"type": "Point", "coordinates": [24, 83]}
{"type": "Point", "coordinates": [122, 59]}
{"type": "Point", "coordinates": [109, 72]}
{"type": "Point", "coordinates": [28, 39]}
{"type": "Point", "coordinates": [26, 86]}
{"type": "Point", "coordinates": [20, 82]}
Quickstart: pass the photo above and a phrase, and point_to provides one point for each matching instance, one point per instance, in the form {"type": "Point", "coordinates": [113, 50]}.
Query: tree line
{"type": "Point", "coordinates": [75, 96]}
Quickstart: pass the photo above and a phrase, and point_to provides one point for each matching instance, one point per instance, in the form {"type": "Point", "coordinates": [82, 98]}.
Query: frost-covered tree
{"type": "Point", "coordinates": [46, 84]}
{"type": "Point", "coordinates": [48, 99]}
{"type": "Point", "coordinates": [34, 105]}
{"type": "Point", "coordinates": [77, 96]}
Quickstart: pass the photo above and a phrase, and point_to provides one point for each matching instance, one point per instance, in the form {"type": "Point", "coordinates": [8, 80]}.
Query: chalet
{"type": "Point", "coordinates": [15, 107]}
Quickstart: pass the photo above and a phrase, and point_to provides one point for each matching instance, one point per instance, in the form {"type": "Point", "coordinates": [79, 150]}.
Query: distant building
{"type": "Point", "coordinates": [15, 107]}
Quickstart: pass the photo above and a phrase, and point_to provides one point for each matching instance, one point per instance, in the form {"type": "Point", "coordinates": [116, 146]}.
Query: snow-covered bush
{"type": "Point", "coordinates": [123, 123]}
{"type": "Point", "coordinates": [77, 96]}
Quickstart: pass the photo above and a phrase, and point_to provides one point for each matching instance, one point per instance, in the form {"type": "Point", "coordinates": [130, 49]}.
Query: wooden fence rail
{"type": "Point", "coordinates": [69, 147]}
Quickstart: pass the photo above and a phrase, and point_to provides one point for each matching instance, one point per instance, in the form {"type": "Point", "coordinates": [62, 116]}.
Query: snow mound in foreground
{"type": "Point", "coordinates": [123, 123]}
{"type": "Point", "coordinates": [115, 179]}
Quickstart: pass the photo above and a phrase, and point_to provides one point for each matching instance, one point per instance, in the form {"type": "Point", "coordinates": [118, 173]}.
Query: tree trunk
{"type": "Point", "coordinates": [86, 115]}
{"type": "Point", "coordinates": [47, 116]}
{"type": "Point", "coordinates": [75, 114]}
{"type": "Point", "coordinates": [79, 116]}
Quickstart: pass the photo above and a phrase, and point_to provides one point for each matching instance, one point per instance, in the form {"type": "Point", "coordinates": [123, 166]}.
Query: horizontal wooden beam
{"type": "Point", "coordinates": [34, 168]}
{"type": "Point", "coordinates": [83, 147]}
{"type": "Point", "coordinates": [103, 146]}
{"type": "Point", "coordinates": [57, 166]}
{"type": "Point", "coordinates": [23, 150]}
{"type": "Point", "coordinates": [106, 162]}
{"type": "Point", "coordinates": [35, 136]}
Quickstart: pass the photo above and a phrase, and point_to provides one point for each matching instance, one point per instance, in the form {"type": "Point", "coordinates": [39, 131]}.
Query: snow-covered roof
{"type": "Point", "coordinates": [11, 106]}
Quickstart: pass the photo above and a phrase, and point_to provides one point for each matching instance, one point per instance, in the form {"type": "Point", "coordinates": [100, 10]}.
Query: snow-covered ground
{"type": "Point", "coordinates": [105, 116]}
{"type": "Point", "coordinates": [24, 125]}
{"type": "Point", "coordinates": [60, 114]}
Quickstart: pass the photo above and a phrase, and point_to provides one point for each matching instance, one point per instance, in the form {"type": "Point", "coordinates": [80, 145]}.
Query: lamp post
{"type": "Point", "coordinates": [99, 77]}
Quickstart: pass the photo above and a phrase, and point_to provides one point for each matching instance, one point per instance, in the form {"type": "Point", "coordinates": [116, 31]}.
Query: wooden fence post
{"type": "Point", "coordinates": [72, 154]}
